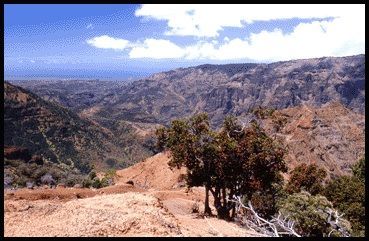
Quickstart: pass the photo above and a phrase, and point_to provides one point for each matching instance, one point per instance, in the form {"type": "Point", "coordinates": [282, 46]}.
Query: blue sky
{"type": "Point", "coordinates": [130, 41]}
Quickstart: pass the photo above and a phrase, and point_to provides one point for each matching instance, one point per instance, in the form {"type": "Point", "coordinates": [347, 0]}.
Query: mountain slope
{"type": "Point", "coordinates": [331, 136]}
{"type": "Point", "coordinates": [217, 89]}
{"type": "Point", "coordinates": [76, 95]}
{"type": "Point", "coordinates": [59, 135]}
{"type": "Point", "coordinates": [238, 88]}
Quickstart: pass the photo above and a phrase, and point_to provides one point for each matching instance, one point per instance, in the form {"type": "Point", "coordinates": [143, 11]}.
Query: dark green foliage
{"type": "Point", "coordinates": [37, 159]}
{"type": "Point", "coordinates": [311, 215]}
{"type": "Point", "coordinates": [359, 169]}
{"type": "Point", "coordinates": [262, 112]}
{"type": "Point", "coordinates": [92, 174]}
{"type": "Point", "coordinates": [104, 182]}
{"type": "Point", "coordinates": [265, 202]}
{"type": "Point", "coordinates": [96, 183]}
{"type": "Point", "coordinates": [111, 162]}
{"type": "Point", "coordinates": [233, 161]}
{"type": "Point", "coordinates": [348, 195]}
{"type": "Point", "coordinates": [48, 173]}
{"type": "Point", "coordinates": [306, 177]}
{"type": "Point", "coordinates": [87, 182]}
{"type": "Point", "coordinates": [84, 166]}
{"type": "Point", "coordinates": [110, 174]}
{"type": "Point", "coordinates": [93, 181]}
{"type": "Point", "coordinates": [72, 180]}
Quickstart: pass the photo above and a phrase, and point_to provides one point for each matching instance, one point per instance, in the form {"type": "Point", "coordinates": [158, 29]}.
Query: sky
{"type": "Point", "coordinates": [128, 41]}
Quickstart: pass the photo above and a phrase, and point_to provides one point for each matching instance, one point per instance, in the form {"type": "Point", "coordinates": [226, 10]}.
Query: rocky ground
{"type": "Point", "coordinates": [159, 207]}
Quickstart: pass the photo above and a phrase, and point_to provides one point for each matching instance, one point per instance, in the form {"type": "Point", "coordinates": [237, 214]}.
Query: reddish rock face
{"type": "Point", "coordinates": [331, 136]}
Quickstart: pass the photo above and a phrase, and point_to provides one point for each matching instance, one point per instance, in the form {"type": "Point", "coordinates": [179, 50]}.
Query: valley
{"type": "Point", "coordinates": [313, 107]}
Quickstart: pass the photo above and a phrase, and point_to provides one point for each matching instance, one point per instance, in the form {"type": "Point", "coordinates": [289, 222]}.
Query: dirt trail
{"type": "Point", "coordinates": [127, 214]}
{"type": "Point", "coordinates": [158, 208]}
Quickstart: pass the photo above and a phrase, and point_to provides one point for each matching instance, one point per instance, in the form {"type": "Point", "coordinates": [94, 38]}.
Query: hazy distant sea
{"type": "Point", "coordinates": [76, 74]}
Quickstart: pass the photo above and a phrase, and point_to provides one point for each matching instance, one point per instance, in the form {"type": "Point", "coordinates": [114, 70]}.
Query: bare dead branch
{"type": "Point", "coordinates": [276, 227]}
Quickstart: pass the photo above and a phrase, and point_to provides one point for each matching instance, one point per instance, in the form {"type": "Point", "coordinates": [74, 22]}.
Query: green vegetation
{"type": "Point", "coordinates": [36, 172]}
{"type": "Point", "coordinates": [19, 173]}
{"type": "Point", "coordinates": [233, 161]}
{"type": "Point", "coordinates": [262, 112]}
{"type": "Point", "coordinates": [61, 136]}
{"type": "Point", "coordinates": [313, 215]}
{"type": "Point", "coordinates": [94, 181]}
{"type": "Point", "coordinates": [306, 177]}
{"type": "Point", "coordinates": [240, 161]}
{"type": "Point", "coordinates": [359, 169]}
{"type": "Point", "coordinates": [347, 193]}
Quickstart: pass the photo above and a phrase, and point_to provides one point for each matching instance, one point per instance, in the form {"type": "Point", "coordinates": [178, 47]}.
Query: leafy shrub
{"type": "Point", "coordinates": [265, 202]}
{"type": "Point", "coordinates": [86, 183]}
{"type": "Point", "coordinates": [306, 177]}
{"type": "Point", "coordinates": [72, 180]}
{"type": "Point", "coordinates": [96, 183]}
{"type": "Point", "coordinates": [312, 215]}
{"type": "Point", "coordinates": [111, 174]}
{"type": "Point", "coordinates": [104, 182]}
{"type": "Point", "coordinates": [92, 174]}
{"type": "Point", "coordinates": [347, 194]}
{"type": "Point", "coordinates": [359, 169]}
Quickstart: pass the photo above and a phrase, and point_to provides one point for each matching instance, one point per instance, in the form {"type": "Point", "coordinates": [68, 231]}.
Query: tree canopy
{"type": "Point", "coordinates": [236, 160]}
{"type": "Point", "coordinates": [306, 177]}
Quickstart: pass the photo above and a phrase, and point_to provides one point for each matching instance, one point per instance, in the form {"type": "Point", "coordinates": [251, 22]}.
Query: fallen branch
{"type": "Point", "coordinates": [275, 228]}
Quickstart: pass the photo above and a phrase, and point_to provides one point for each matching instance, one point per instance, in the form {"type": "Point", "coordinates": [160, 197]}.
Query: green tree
{"type": "Point", "coordinates": [190, 145]}
{"type": "Point", "coordinates": [234, 161]}
{"type": "Point", "coordinates": [347, 194]}
{"type": "Point", "coordinates": [306, 177]}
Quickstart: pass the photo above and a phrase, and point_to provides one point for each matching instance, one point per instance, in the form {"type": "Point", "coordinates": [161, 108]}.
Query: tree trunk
{"type": "Point", "coordinates": [233, 212]}
{"type": "Point", "coordinates": [207, 207]}
{"type": "Point", "coordinates": [232, 204]}
{"type": "Point", "coordinates": [222, 209]}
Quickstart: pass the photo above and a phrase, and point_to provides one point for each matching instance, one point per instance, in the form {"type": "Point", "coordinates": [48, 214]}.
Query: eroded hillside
{"type": "Point", "coordinates": [331, 136]}
{"type": "Point", "coordinates": [61, 136]}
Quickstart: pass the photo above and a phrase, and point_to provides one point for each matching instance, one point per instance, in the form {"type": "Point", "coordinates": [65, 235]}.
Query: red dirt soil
{"type": "Point", "coordinates": [156, 205]}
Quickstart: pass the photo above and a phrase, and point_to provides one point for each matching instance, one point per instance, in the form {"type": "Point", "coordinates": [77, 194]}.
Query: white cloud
{"type": "Point", "coordinates": [205, 20]}
{"type": "Point", "coordinates": [341, 35]}
{"type": "Point", "coordinates": [337, 37]}
{"type": "Point", "coordinates": [156, 49]}
{"type": "Point", "coordinates": [106, 42]}
{"type": "Point", "coordinates": [307, 40]}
